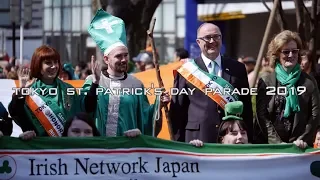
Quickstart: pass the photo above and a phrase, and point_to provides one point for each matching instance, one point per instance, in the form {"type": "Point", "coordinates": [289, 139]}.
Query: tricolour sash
{"type": "Point", "coordinates": [203, 81]}
{"type": "Point", "coordinates": [45, 115]}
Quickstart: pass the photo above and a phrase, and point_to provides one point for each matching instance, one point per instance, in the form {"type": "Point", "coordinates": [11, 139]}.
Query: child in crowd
{"type": "Point", "coordinates": [233, 130]}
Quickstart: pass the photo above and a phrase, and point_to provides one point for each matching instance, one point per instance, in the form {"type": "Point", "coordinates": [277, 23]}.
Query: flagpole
{"type": "Point", "coordinates": [21, 31]}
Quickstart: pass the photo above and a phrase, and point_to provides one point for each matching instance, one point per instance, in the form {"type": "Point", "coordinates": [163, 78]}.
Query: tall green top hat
{"type": "Point", "coordinates": [107, 31]}
{"type": "Point", "coordinates": [233, 110]}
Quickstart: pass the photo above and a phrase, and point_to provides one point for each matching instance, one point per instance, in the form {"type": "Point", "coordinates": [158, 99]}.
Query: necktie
{"type": "Point", "coordinates": [214, 69]}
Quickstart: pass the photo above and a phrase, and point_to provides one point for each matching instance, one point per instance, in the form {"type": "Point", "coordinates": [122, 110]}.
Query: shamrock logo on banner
{"type": "Point", "coordinates": [8, 167]}
{"type": "Point", "coordinates": [5, 168]}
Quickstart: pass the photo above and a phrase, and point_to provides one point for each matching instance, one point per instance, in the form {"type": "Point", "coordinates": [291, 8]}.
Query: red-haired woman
{"type": "Point", "coordinates": [46, 111]}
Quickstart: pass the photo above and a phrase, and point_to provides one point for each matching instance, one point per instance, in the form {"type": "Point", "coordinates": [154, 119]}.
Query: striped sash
{"type": "Point", "coordinates": [46, 116]}
{"type": "Point", "coordinates": [205, 81]}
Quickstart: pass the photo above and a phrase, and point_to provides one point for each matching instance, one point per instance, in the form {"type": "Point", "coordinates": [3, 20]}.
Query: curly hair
{"type": "Point", "coordinates": [278, 42]}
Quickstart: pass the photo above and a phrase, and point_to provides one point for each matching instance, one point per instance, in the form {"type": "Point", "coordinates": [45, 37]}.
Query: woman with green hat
{"type": "Point", "coordinates": [232, 129]}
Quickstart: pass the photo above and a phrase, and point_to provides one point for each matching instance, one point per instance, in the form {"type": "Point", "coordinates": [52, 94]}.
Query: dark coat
{"type": "Point", "coordinates": [197, 116]}
{"type": "Point", "coordinates": [305, 121]}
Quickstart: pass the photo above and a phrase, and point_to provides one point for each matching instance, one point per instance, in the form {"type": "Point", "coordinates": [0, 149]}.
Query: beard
{"type": "Point", "coordinates": [119, 67]}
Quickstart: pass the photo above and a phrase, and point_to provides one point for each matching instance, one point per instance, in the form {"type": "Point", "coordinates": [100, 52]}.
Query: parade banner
{"type": "Point", "coordinates": [145, 158]}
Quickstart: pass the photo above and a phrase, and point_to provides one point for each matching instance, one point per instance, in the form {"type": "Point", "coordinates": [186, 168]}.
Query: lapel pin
{"type": "Point", "coordinates": [227, 69]}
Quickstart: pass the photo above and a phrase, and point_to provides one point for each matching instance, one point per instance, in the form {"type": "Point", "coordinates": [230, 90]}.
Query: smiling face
{"type": "Point", "coordinates": [289, 54]}
{"type": "Point", "coordinates": [117, 60]}
{"type": "Point", "coordinates": [285, 49]}
{"type": "Point", "coordinates": [209, 40]}
{"type": "Point", "coordinates": [45, 63]}
{"type": "Point", "coordinates": [50, 69]}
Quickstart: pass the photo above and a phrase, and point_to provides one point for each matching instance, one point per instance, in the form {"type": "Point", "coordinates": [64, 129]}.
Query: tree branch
{"type": "Point", "coordinates": [265, 5]}
{"type": "Point", "coordinates": [307, 12]}
{"type": "Point", "coordinates": [279, 16]}
{"type": "Point", "coordinates": [300, 19]}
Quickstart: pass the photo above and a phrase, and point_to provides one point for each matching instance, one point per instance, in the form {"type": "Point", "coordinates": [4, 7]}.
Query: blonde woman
{"type": "Point", "coordinates": [287, 100]}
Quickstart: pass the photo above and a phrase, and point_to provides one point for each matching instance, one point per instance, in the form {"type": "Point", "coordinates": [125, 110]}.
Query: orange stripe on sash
{"type": "Point", "coordinates": [41, 117]}
{"type": "Point", "coordinates": [201, 86]}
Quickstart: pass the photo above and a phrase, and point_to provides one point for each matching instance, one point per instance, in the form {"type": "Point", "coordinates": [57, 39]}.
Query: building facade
{"type": "Point", "coordinates": [32, 34]}
{"type": "Point", "coordinates": [65, 28]}
{"type": "Point", "coordinates": [66, 23]}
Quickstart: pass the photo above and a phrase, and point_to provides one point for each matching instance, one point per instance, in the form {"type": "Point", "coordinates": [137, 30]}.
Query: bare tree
{"type": "Point", "coordinates": [279, 16]}
{"type": "Point", "coordinates": [137, 15]}
{"type": "Point", "coordinates": [307, 25]}
{"type": "Point", "coordinates": [310, 37]}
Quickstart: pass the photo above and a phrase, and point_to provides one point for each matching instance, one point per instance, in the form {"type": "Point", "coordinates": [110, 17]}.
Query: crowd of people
{"type": "Point", "coordinates": [287, 116]}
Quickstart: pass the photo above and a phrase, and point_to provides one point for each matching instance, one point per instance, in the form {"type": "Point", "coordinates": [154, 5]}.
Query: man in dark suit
{"type": "Point", "coordinates": [197, 116]}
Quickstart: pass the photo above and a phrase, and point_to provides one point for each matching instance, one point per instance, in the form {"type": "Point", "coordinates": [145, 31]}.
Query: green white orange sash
{"type": "Point", "coordinates": [45, 115]}
{"type": "Point", "coordinates": [203, 81]}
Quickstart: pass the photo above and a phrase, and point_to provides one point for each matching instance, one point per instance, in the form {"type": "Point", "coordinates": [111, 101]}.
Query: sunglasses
{"type": "Point", "coordinates": [287, 51]}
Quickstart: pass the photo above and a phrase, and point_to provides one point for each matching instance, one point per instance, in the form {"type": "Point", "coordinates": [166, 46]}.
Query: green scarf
{"type": "Point", "coordinates": [289, 80]}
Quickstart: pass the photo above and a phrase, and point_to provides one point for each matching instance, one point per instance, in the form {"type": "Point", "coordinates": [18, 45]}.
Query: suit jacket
{"type": "Point", "coordinates": [197, 116]}
{"type": "Point", "coordinates": [305, 121]}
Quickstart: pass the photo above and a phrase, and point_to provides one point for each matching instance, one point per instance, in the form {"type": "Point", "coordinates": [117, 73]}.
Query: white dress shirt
{"type": "Point", "coordinates": [213, 66]}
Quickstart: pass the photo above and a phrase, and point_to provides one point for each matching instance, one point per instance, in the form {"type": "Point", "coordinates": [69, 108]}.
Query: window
{"type": "Point", "coordinates": [168, 17]}
{"type": "Point", "coordinates": [66, 21]}
{"type": "Point", "coordinates": [67, 2]}
{"type": "Point", "coordinates": [56, 19]}
{"type": "Point", "coordinates": [181, 27]}
{"type": "Point", "coordinates": [76, 18]}
{"type": "Point", "coordinates": [56, 3]}
{"type": "Point", "coordinates": [47, 19]}
{"type": "Point", "coordinates": [47, 3]}
{"type": "Point", "coordinates": [86, 2]}
{"type": "Point", "coordinates": [86, 18]}
{"type": "Point", "coordinates": [180, 7]}
{"type": "Point", "coordinates": [76, 2]}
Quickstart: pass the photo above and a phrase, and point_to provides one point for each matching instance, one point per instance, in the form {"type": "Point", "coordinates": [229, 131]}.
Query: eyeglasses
{"type": "Point", "coordinates": [208, 39]}
{"type": "Point", "coordinates": [287, 51]}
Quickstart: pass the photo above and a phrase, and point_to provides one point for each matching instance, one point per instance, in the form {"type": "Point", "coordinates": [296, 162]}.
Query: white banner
{"type": "Point", "coordinates": [155, 164]}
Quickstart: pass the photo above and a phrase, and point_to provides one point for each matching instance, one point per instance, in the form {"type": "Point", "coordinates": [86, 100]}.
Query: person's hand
{"type": "Point", "coordinates": [184, 60]}
{"type": "Point", "coordinates": [132, 133]}
{"type": "Point", "coordinates": [1, 134]}
{"type": "Point", "coordinates": [28, 135]}
{"type": "Point", "coordinates": [164, 98]}
{"type": "Point", "coordinates": [24, 75]}
{"type": "Point", "coordinates": [301, 144]}
{"type": "Point", "coordinates": [96, 70]}
{"type": "Point", "coordinates": [196, 142]}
